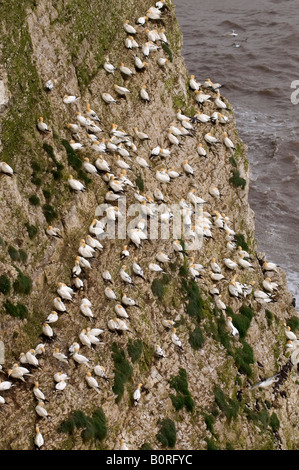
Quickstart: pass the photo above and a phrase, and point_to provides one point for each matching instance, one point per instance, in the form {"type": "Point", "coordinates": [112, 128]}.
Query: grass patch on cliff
{"type": "Point", "coordinates": [5, 285]}
{"type": "Point", "coordinates": [183, 397]}
{"type": "Point", "coordinates": [236, 180]}
{"type": "Point", "coordinates": [167, 434]}
{"type": "Point", "coordinates": [135, 349]}
{"type": "Point", "coordinates": [94, 428]}
{"type": "Point", "coordinates": [228, 406]}
{"type": "Point", "coordinates": [22, 284]}
{"type": "Point", "coordinates": [123, 371]}
{"type": "Point", "coordinates": [17, 311]}
{"type": "Point", "coordinates": [32, 230]}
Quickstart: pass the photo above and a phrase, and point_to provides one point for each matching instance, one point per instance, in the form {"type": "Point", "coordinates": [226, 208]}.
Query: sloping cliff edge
{"type": "Point", "coordinates": [201, 397]}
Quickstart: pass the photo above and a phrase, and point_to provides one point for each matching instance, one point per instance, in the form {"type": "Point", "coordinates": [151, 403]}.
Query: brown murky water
{"type": "Point", "coordinates": [256, 68]}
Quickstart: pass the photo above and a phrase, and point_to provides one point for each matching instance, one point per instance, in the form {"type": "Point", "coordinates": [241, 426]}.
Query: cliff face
{"type": "Point", "coordinates": [205, 390]}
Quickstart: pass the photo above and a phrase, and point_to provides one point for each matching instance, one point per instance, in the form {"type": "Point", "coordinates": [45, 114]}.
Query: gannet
{"type": "Point", "coordinates": [64, 291]}
{"type": "Point", "coordinates": [201, 151]}
{"type": "Point", "coordinates": [215, 267]}
{"type": "Point", "coordinates": [60, 376]}
{"type": "Point", "coordinates": [93, 338]}
{"type": "Point", "coordinates": [153, 13]}
{"type": "Point", "coordinates": [92, 382]}
{"type": "Point", "coordinates": [125, 252]}
{"type": "Point", "coordinates": [173, 139]}
{"type": "Point", "coordinates": [269, 286]}
{"type": "Point", "coordinates": [40, 349]}
{"type": "Point", "coordinates": [267, 382]}
{"type": "Point", "coordinates": [289, 334]}
{"type": "Point", "coordinates": [94, 243]}
{"type": "Point", "coordinates": [108, 66]}
{"type": "Point", "coordinates": [221, 305]}
{"type": "Point", "coordinates": [162, 257]}
{"type": "Point", "coordinates": [78, 283]}
{"type": "Point", "coordinates": [59, 305]}
{"type": "Point", "coordinates": [79, 358]}
{"type": "Point", "coordinates": [86, 311]}
{"type": "Point", "coordinates": [139, 64]}
{"type": "Point", "coordinates": [214, 191]}
{"type": "Point", "coordinates": [110, 294]}
{"type": "Point", "coordinates": [159, 351]}
{"type": "Point", "coordinates": [53, 231]}
{"type": "Point", "coordinates": [234, 330]}
{"type": "Point", "coordinates": [38, 393]}
{"type": "Point", "coordinates": [201, 97]}
{"type": "Point", "coordinates": [125, 276]}
{"type": "Point", "coordinates": [108, 98]}
{"type": "Point", "coordinates": [129, 28]}
{"type": "Point", "coordinates": [85, 340]}
{"type": "Point", "coordinates": [126, 70]}
{"type": "Point", "coordinates": [18, 372]}
{"type": "Point", "coordinates": [121, 325]}
{"type": "Point", "coordinates": [144, 94]}
{"type": "Point", "coordinates": [137, 269]}
{"type": "Point", "coordinates": [127, 301]}
{"type": "Point", "coordinates": [168, 323]}
{"type": "Point", "coordinates": [86, 250]}
{"type": "Point", "coordinates": [60, 386]}
{"type": "Point", "coordinates": [47, 331]}
{"type": "Point", "coordinates": [115, 185]}
{"type": "Point", "coordinates": [230, 264]}
{"type": "Point", "coordinates": [52, 317]}
{"type": "Point", "coordinates": [262, 296]}
{"type": "Point", "coordinates": [269, 266]}
{"type": "Point", "coordinates": [193, 84]}
{"type": "Point", "coordinates": [191, 196]}
{"type": "Point", "coordinates": [216, 276]}
{"type": "Point", "coordinates": [210, 139]}
{"type": "Point", "coordinates": [60, 356]}
{"type": "Point", "coordinates": [49, 85]}
{"type": "Point", "coordinates": [142, 20]}
{"type": "Point", "coordinates": [75, 185]}
{"type": "Point", "coordinates": [123, 445]}
{"type": "Point", "coordinates": [137, 394]}
{"type": "Point", "coordinates": [2, 400]}
{"type": "Point", "coordinates": [121, 90]}
{"type": "Point", "coordinates": [42, 126]}
{"type": "Point", "coordinates": [93, 129]}
{"type": "Point", "coordinates": [175, 339]}
{"type": "Point", "coordinates": [155, 268]}
{"type": "Point", "coordinates": [41, 410]}
{"type": "Point", "coordinates": [180, 116]}
{"type": "Point", "coordinates": [162, 61]}
{"type": "Point", "coordinates": [141, 135]}
{"type": "Point", "coordinates": [102, 164]}
{"type": "Point", "coordinates": [68, 99]}
{"type": "Point", "coordinates": [94, 331]}
{"type": "Point", "coordinates": [121, 311]}
{"type": "Point", "coordinates": [201, 117]}
{"type": "Point", "coordinates": [76, 145]}
{"type": "Point", "coordinates": [162, 176]}
{"type": "Point", "coordinates": [228, 142]}
{"type": "Point", "coordinates": [5, 385]}
{"type": "Point", "coordinates": [39, 440]}
{"type": "Point", "coordinates": [243, 263]}
{"type": "Point", "coordinates": [100, 371]}
{"type": "Point", "coordinates": [6, 169]}
{"type": "Point", "coordinates": [164, 152]}
{"type": "Point", "coordinates": [219, 103]}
